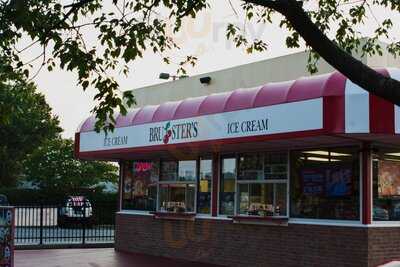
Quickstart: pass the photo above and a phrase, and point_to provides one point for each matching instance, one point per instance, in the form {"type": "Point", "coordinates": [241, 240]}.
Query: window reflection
{"type": "Point", "coordinates": [177, 197]}
{"type": "Point", "coordinates": [263, 183]}
{"type": "Point", "coordinates": [250, 167]}
{"type": "Point", "coordinates": [386, 185]}
{"type": "Point", "coordinates": [204, 189]}
{"type": "Point", "coordinates": [178, 187]}
{"type": "Point", "coordinates": [187, 170]}
{"type": "Point", "coordinates": [227, 186]}
{"type": "Point", "coordinates": [325, 184]}
{"type": "Point", "coordinates": [256, 199]}
{"type": "Point", "coordinates": [140, 185]}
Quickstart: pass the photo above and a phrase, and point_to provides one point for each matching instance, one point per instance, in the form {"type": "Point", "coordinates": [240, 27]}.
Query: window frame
{"type": "Point", "coordinates": [194, 182]}
{"type": "Point", "coordinates": [273, 183]}
{"type": "Point", "coordinates": [122, 186]}
{"type": "Point", "coordinates": [220, 170]}
{"type": "Point", "coordinates": [206, 157]}
{"type": "Point", "coordinates": [358, 221]}
{"type": "Point", "coordinates": [218, 176]}
{"type": "Point", "coordinates": [373, 153]}
{"type": "Point", "coordinates": [236, 156]}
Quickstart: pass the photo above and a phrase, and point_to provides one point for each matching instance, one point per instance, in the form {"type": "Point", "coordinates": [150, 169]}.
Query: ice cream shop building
{"type": "Point", "coordinates": [288, 171]}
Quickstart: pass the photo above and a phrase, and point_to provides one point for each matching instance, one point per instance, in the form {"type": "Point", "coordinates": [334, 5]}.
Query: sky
{"type": "Point", "coordinates": [203, 37]}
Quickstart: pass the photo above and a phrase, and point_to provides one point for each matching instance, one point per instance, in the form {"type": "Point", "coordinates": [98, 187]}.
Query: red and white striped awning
{"type": "Point", "coordinates": [325, 105]}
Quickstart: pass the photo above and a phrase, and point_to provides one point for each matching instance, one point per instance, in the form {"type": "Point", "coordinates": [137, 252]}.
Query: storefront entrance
{"type": "Point", "coordinates": [289, 174]}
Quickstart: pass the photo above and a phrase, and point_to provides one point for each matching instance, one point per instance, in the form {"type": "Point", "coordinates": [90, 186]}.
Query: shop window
{"type": "Point", "coordinates": [204, 187]}
{"type": "Point", "coordinates": [177, 186]}
{"type": "Point", "coordinates": [178, 171]}
{"type": "Point", "coordinates": [264, 191]}
{"type": "Point", "coordinates": [275, 166]}
{"type": "Point", "coordinates": [177, 197]}
{"type": "Point", "coordinates": [140, 185]}
{"type": "Point", "coordinates": [386, 185]}
{"type": "Point", "coordinates": [250, 167]}
{"type": "Point", "coordinates": [227, 186]}
{"type": "Point", "coordinates": [325, 184]}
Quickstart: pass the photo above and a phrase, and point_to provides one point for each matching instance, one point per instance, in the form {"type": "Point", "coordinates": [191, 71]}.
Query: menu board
{"type": "Point", "coordinates": [327, 181]}
{"type": "Point", "coordinates": [6, 237]}
{"type": "Point", "coordinates": [389, 178]}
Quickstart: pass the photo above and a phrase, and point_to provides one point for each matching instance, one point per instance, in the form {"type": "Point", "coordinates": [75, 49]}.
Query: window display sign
{"type": "Point", "coordinates": [140, 185]}
{"type": "Point", "coordinates": [6, 237]}
{"type": "Point", "coordinates": [339, 182]}
{"type": "Point", "coordinates": [313, 181]}
{"type": "Point", "coordinates": [389, 178]}
{"type": "Point", "coordinates": [329, 181]}
{"type": "Point", "coordinates": [142, 178]}
{"type": "Point", "coordinates": [142, 166]}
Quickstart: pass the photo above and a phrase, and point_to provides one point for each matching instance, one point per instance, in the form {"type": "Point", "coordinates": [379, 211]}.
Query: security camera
{"type": "Point", "coordinates": [164, 76]}
{"type": "Point", "coordinates": [205, 80]}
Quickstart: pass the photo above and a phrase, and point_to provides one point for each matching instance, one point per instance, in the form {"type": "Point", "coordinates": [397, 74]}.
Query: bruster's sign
{"type": "Point", "coordinates": [283, 118]}
{"type": "Point", "coordinates": [177, 131]}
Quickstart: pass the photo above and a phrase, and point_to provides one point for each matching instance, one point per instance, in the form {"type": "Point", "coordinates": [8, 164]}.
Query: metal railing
{"type": "Point", "coordinates": [79, 223]}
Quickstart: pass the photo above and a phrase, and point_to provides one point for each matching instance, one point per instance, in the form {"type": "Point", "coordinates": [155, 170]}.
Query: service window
{"type": "Point", "coordinates": [251, 167]}
{"type": "Point", "coordinates": [386, 185]}
{"type": "Point", "coordinates": [140, 185]}
{"type": "Point", "coordinates": [262, 184]}
{"type": "Point", "coordinates": [325, 184]}
{"type": "Point", "coordinates": [177, 186]}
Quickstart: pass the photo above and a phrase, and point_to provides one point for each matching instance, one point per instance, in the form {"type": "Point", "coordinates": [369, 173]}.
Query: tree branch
{"type": "Point", "coordinates": [276, 5]}
{"type": "Point", "coordinates": [359, 73]}
{"type": "Point", "coordinates": [78, 5]}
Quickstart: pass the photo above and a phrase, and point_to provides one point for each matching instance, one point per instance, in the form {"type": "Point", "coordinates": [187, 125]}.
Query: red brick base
{"type": "Point", "coordinates": [224, 243]}
{"type": "Point", "coordinates": [383, 245]}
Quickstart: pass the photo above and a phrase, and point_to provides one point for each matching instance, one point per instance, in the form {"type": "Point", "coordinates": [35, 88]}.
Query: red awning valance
{"type": "Point", "coordinates": [345, 109]}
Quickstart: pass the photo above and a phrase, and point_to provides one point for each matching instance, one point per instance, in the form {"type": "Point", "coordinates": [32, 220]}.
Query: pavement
{"type": "Point", "coordinates": [103, 257]}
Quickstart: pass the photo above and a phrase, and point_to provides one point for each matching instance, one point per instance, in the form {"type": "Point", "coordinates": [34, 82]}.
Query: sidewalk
{"type": "Point", "coordinates": [104, 257]}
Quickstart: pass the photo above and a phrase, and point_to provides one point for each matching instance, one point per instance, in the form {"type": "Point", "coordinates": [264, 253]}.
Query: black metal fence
{"type": "Point", "coordinates": [75, 223]}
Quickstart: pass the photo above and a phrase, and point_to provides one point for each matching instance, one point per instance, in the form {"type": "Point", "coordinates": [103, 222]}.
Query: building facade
{"type": "Point", "coordinates": [291, 173]}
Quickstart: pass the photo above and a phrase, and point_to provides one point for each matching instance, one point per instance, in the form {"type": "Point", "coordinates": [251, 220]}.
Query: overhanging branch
{"type": "Point", "coordinates": [276, 5]}
{"type": "Point", "coordinates": [352, 68]}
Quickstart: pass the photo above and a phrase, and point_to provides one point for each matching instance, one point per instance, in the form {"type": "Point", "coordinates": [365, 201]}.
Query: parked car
{"type": "Point", "coordinates": [3, 200]}
{"type": "Point", "coordinates": [75, 210]}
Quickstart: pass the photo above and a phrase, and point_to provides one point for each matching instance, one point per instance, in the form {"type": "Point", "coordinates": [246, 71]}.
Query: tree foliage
{"type": "Point", "coordinates": [52, 167]}
{"type": "Point", "coordinates": [25, 122]}
{"type": "Point", "coordinates": [329, 29]}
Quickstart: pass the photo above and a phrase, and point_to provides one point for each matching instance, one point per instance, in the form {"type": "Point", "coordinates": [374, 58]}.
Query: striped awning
{"type": "Point", "coordinates": [323, 105]}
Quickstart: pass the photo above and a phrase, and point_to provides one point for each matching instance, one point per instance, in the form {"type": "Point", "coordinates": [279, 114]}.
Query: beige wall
{"type": "Point", "coordinates": [283, 68]}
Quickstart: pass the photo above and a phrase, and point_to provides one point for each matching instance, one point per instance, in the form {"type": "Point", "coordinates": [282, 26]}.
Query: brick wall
{"type": "Point", "coordinates": [224, 243]}
{"type": "Point", "coordinates": [383, 245]}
